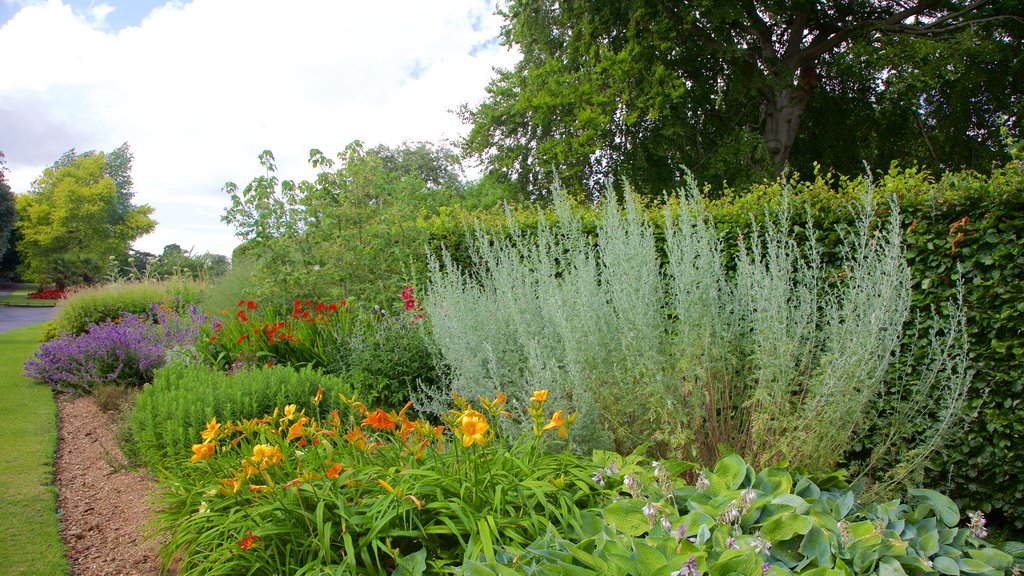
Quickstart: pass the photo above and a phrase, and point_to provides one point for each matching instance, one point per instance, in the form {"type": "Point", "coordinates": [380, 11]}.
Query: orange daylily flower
{"type": "Point", "coordinates": [247, 542]}
{"type": "Point", "coordinates": [295, 430]}
{"type": "Point", "coordinates": [355, 437]}
{"type": "Point", "coordinates": [559, 423]}
{"type": "Point", "coordinates": [212, 427]}
{"type": "Point", "coordinates": [203, 451]}
{"type": "Point", "coordinates": [333, 471]}
{"type": "Point", "coordinates": [319, 395]}
{"type": "Point", "coordinates": [230, 485]}
{"type": "Point", "coordinates": [380, 420]}
{"type": "Point", "coordinates": [259, 488]}
{"type": "Point", "coordinates": [539, 396]}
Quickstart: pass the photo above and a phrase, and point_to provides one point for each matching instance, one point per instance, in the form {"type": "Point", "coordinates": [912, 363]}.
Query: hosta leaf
{"type": "Point", "coordinates": [744, 562]}
{"type": "Point", "coordinates": [627, 517]}
{"type": "Point", "coordinates": [972, 566]}
{"type": "Point", "coordinates": [784, 526]}
{"type": "Point", "coordinates": [800, 506]}
{"type": "Point", "coordinates": [995, 558]}
{"type": "Point", "coordinates": [946, 566]}
{"type": "Point", "coordinates": [774, 481]}
{"type": "Point", "coordinates": [648, 559]}
{"type": "Point", "coordinates": [944, 508]}
{"type": "Point", "coordinates": [816, 545]}
{"type": "Point", "coordinates": [890, 567]}
{"type": "Point", "coordinates": [731, 469]}
{"type": "Point", "coordinates": [928, 543]}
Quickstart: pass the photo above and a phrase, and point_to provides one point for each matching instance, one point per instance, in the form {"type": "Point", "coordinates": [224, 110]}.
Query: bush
{"type": "Point", "coordinates": [777, 356]}
{"type": "Point", "coordinates": [84, 307]}
{"type": "Point", "coordinates": [161, 426]}
{"type": "Point", "coordinates": [384, 358]}
{"type": "Point", "coordinates": [734, 520]}
{"type": "Point", "coordinates": [368, 492]}
{"type": "Point", "coordinates": [125, 351]}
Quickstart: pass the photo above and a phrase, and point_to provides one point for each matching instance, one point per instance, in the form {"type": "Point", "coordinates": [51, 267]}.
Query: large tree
{"type": "Point", "coordinates": [638, 88]}
{"type": "Point", "coordinates": [74, 219]}
{"type": "Point", "coordinates": [8, 213]}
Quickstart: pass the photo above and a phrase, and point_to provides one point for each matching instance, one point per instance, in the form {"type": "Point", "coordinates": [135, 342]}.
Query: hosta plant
{"type": "Point", "coordinates": [775, 522]}
{"type": "Point", "coordinates": [361, 491]}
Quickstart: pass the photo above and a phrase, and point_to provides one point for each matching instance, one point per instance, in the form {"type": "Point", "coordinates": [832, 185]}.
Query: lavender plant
{"type": "Point", "coordinates": [125, 350]}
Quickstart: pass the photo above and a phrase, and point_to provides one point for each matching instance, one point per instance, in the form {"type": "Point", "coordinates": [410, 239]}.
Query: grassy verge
{"type": "Point", "coordinates": [20, 298]}
{"type": "Point", "coordinates": [29, 538]}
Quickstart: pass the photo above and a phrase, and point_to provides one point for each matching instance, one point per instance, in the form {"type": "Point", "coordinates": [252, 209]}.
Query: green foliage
{"type": "Point", "coordinates": [73, 220]}
{"type": "Point", "coordinates": [352, 231]}
{"type": "Point", "coordinates": [361, 492]}
{"type": "Point", "coordinates": [223, 292]}
{"type": "Point", "coordinates": [634, 90]}
{"type": "Point", "coordinates": [384, 358]}
{"type": "Point", "coordinates": [737, 520]}
{"type": "Point", "coordinates": [87, 306]}
{"type": "Point", "coordinates": [160, 428]}
{"type": "Point", "coordinates": [251, 335]}
{"type": "Point", "coordinates": [8, 211]}
{"type": "Point", "coordinates": [776, 356]}
{"type": "Point", "coordinates": [174, 262]}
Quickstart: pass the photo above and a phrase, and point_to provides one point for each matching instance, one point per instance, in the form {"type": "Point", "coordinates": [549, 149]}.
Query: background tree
{"type": "Point", "coordinates": [638, 88]}
{"type": "Point", "coordinates": [73, 220]}
{"type": "Point", "coordinates": [8, 212]}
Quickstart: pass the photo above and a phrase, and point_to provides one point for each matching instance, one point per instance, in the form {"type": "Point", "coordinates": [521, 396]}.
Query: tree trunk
{"type": "Point", "coordinates": [785, 104]}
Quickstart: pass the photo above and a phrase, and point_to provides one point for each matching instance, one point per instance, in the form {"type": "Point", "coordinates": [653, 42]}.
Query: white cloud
{"type": "Point", "coordinates": [199, 89]}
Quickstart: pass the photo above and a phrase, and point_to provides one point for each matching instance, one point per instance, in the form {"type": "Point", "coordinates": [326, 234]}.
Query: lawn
{"type": "Point", "coordinates": [28, 437]}
{"type": "Point", "coordinates": [17, 295]}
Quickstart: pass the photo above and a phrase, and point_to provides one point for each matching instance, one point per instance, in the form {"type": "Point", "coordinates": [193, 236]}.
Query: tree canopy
{"type": "Point", "coordinates": [736, 90]}
{"type": "Point", "coordinates": [75, 218]}
{"type": "Point", "coordinates": [8, 212]}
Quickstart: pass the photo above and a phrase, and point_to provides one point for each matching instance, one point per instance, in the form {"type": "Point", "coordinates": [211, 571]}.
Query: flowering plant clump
{"type": "Point", "coordinates": [125, 350]}
{"type": "Point", "coordinates": [734, 520]}
{"type": "Point", "coordinates": [54, 294]}
{"type": "Point", "coordinates": [259, 336]}
{"type": "Point", "coordinates": [363, 490]}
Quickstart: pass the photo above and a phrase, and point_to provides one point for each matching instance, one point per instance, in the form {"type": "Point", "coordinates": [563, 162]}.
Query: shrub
{"type": "Point", "coordinates": [734, 520]}
{"type": "Point", "coordinates": [357, 491]}
{"type": "Point", "coordinates": [778, 356]}
{"type": "Point", "coordinates": [125, 351]}
{"type": "Point", "coordinates": [84, 307]}
{"type": "Point", "coordinates": [384, 357]}
{"type": "Point", "coordinates": [162, 424]}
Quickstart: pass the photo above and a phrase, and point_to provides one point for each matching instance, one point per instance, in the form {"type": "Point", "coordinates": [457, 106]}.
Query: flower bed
{"type": "Point", "coordinates": [55, 294]}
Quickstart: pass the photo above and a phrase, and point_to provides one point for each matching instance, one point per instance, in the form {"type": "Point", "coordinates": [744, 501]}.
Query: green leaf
{"type": "Point", "coordinates": [774, 481]}
{"type": "Point", "coordinates": [944, 508]}
{"type": "Point", "coordinates": [972, 566]}
{"type": "Point", "coordinates": [745, 562]}
{"type": "Point", "coordinates": [784, 526]}
{"type": "Point", "coordinates": [648, 559]}
{"type": "Point", "coordinates": [995, 558]}
{"type": "Point", "coordinates": [627, 517]}
{"type": "Point", "coordinates": [928, 543]}
{"type": "Point", "coordinates": [414, 564]}
{"type": "Point", "coordinates": [816, 545]}
{"type": "Point", "coordinates": [890, 567]}
{"type": "Point", "coordinates": [946, 566]}
{"type": "Point", "coordinates": [731, 469]}
{"type": "Point", "coordinates": [800, 506]}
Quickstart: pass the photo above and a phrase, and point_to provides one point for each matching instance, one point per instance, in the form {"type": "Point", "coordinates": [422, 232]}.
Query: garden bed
{"type": "Point", "coordinates": [103, 505]}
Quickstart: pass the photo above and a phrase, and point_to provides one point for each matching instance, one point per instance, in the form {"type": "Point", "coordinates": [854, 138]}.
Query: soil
{"type": "Point", "coordinates": [103, 504]}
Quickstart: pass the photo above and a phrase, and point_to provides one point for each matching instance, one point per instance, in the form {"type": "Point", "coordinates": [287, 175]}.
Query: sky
{"type": "Point", "coordinates": [198, 89]}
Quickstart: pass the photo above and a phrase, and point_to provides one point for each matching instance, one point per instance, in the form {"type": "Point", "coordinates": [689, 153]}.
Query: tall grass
{"type": "Point", "coordinates": [93, 305]}
{"type": "Point", "coordinates": [771, 355]}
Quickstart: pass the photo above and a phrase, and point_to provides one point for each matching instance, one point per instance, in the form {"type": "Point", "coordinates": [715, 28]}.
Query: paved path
{"type": "Point", "coordinates": [12, 317]}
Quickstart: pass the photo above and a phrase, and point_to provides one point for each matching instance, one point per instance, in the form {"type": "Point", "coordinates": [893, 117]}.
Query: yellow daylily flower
{"type": "Point", "coordinates": [203, 451]}
{"type": "Point", "coordinates": [474, 428]}
{"type": "Point", "coordinates": [212, 427]}
{"type": "Point", "coordinates": [539, 396]}
{"type": "Point", "coordinates": [289, 411]}
{"type": "Point", "coordinates": [557, 422]}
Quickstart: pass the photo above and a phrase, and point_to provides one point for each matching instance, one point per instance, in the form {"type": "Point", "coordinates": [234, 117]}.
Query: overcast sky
{"type": "Point", "coordinates": [199, 88]}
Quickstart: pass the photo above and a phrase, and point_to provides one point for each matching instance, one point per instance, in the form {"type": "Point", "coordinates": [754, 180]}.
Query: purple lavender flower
{"type": "Point", "coordinates": [126, 350]}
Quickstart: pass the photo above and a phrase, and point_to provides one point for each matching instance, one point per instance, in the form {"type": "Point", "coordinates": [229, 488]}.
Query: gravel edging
{"type": "Point", "coordinates": [104, 508]}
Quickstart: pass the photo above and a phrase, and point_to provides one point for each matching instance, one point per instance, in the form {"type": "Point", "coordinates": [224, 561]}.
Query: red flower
{"type": "Point", "coordinates": [241, 338]}
{"type": "Point", "coordinates": [319, 307]}
{"type": "Point", "coordinates": [242, 317]}
{"type": "Point", "coordinates": [241, 303]}
{"type": "Point", "coordinates": [409, 305]}
{"type": "Point", "coordinates": [247, 542]}
{"type": "Point", "coordinates": [332, 307]}
{"type": "Point", "coordinates": [250, 305]}
{"type": "Point", "coordinates": [342, 303]}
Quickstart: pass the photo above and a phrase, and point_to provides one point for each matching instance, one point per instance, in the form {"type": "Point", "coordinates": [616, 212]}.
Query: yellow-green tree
{"type": "Point", "coordinates": [72, 222]}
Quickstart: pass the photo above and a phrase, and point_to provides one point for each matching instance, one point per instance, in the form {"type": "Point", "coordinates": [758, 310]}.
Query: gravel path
{"type": "Point", "coordinates": [104, 509]}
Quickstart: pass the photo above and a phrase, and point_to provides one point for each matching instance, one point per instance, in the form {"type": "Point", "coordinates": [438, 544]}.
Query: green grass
{"type": "Point", "coordinates": [29, 531]}
{"type": "Point", "coordinates": [20, 298]}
